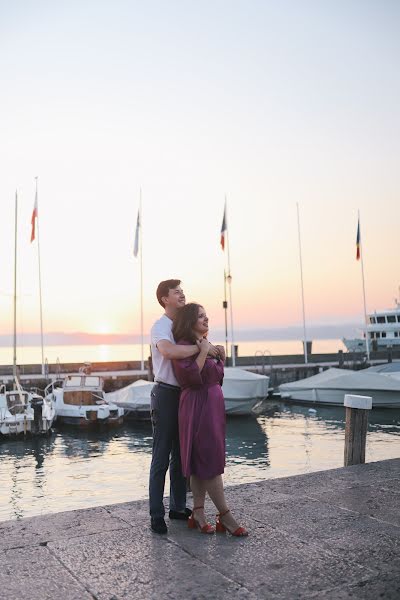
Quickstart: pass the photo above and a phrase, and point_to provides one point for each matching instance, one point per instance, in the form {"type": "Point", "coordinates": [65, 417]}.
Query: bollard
{"type": "Point", "coordinates": [150, 372]}
{"type": "Point", "coordinates": [356, 428]}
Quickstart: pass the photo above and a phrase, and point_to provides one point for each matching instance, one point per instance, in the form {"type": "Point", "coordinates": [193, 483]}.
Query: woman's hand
{"type": "Point", "coordinates": [204, 346]}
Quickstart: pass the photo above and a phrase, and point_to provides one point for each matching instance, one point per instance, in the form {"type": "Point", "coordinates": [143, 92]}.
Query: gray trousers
{"type": "Point", "coordinates": [166, 452]}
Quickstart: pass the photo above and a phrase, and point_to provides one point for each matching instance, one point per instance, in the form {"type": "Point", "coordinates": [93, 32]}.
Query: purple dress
{"type": "Point", "coordinates": [201, 417]}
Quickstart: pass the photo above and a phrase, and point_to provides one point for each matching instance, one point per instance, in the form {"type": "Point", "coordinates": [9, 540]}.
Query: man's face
{"type": "Point", "coordinates": [176, 298]}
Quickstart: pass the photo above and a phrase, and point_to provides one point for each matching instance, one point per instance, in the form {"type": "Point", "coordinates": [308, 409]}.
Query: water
{"type": "Point", "coordinates": [27, 355]}
{"type": "Point", "coordinates": [74, 469]}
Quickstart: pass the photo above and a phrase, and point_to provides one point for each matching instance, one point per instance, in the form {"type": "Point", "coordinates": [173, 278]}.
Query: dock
{"type": "Point", "coordinates": [279, 368]}
{"type": "Point", "coordinates": [332, 535]}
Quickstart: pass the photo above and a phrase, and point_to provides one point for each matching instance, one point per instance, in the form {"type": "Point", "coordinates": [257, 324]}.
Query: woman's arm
{"type": "Point", "coordinates": [204, 346]}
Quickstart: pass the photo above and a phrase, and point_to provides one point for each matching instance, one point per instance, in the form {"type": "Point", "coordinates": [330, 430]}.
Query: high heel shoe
{"type": "Point", "coordinates": [194, 524]}
{"type": "Point", "coordinates": [221, 528]}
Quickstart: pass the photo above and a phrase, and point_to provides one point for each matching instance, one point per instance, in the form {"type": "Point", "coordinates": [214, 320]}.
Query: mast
{"type": "Point", "coordinates": [225, 307]}
{"type": "Point", "coordinates": [15, 290]}
{"type": "Point", "coordinates": [141, 282]}
{"type": "Point", "coordinates": [229, 279]}
{"type": "Point", "coordinates": [302, 287]}
{"type": "Point", "coordinates": [40, 278]}
{"type": "Point", "coordinates": [363, 286]}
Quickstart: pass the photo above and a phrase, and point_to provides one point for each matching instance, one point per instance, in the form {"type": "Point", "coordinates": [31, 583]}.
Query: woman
{"type": "Point", "coordinates": [202, 421]}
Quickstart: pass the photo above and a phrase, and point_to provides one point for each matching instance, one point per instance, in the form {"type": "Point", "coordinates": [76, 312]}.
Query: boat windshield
{"type": "Point", "coordinates": [17, 402]}
{"type": "Point", "coordinates": [82, 381]}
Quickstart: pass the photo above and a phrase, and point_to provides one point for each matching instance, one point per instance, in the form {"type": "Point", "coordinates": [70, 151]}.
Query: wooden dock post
{"type": "Point", "coordinates": [356, 428]}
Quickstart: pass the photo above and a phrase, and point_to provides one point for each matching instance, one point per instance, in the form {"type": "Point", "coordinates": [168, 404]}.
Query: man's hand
{"type": "Point", "coordinates": [216, 352]}
{"type": "Point", "coordinates": [221, 351]}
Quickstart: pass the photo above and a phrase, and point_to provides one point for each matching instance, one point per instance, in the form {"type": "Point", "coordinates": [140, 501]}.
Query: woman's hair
{"type": "Point", "coordinates": [185, 320]}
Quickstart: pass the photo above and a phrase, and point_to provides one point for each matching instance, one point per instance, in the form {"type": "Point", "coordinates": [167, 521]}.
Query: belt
{"type": "Point", "coordinates": [168, 386]}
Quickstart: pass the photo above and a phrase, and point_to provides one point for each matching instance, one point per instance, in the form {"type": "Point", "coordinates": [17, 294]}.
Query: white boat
{"type": "Point", "coordinates": [81, 401]}
{"type": "Point", "coordinates": [134, 399]}
{"type": "Point", "coordinates": [383, 329]}
{"type": "Point", "coordinates": [23, 412]}
{"type": "Point", "coordinates": [242, 391]}
{"type": "Point", "coordinates": [329, 387]}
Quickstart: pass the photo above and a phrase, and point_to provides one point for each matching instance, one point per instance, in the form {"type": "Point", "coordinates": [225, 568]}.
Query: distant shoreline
{"type": "Point", "coordinates": [317, 332]}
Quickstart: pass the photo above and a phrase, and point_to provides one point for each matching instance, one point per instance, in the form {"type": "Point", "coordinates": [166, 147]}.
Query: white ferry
{"type": "Point", "coordinates": [383, 329]}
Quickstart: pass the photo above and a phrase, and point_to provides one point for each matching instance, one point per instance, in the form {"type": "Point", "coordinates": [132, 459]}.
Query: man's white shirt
{"type": "Point", "coordinates": [162, 367]}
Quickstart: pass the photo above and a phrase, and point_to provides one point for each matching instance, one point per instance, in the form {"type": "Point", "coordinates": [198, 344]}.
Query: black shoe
{"type": "Point", "coordinates": [180, 516]}
{"type": "Point", "coordinates": [158, 525]}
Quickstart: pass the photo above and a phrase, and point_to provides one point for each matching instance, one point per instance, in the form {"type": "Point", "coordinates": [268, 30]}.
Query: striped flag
{"type": "Point", "coordinates": [358, 241]}
{"type": "Point", "coordinates": [34, 217]}
{"type": "Point", "coordinates": [224, 229]}
{"type": "Point", "coordinates": [136, 244]}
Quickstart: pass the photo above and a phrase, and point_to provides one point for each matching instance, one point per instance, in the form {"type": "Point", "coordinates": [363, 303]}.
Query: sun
{"type": "Point", "coordinates": [103, 328]}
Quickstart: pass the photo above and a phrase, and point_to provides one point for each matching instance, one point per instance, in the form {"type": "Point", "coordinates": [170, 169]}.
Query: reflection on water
{"type": "Point", "coordinates": [74, 469]}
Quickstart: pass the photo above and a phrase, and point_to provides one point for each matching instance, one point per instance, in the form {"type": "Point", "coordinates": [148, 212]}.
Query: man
{"type": "Point", "coordinates": [164, 410]}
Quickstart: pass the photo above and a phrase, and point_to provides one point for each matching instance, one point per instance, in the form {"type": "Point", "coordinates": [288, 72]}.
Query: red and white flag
{"type": "Point", "coordinates": [223, 229]}
{"type": "Point", "coordinates": [34, 217]}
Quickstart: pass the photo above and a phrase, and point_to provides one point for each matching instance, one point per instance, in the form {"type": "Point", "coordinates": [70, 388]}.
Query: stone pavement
{"type": "Point", "coordinates": [330, 535]}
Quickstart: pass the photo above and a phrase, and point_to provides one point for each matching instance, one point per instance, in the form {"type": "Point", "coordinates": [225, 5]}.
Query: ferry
{"type": "Point", "coordinates": [383, 329]}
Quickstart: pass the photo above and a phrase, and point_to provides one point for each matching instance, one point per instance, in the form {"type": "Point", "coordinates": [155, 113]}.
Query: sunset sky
{"type": "Point", "coordinates": [268, 103]}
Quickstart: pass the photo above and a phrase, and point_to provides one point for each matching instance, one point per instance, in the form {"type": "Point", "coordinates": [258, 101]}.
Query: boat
{"type": "Point", "coordinates": [383, 329]}
{"type": "Point", "coordinates": [243, 392]}
{"type": "Point", "coordinates": [329, 387]}
{"type": "Point", "coordinates": [134, 399]}
{"type": "Point", "coordinates": [24, 412]}
{"type": "Point", "coordinates": [80, 400]}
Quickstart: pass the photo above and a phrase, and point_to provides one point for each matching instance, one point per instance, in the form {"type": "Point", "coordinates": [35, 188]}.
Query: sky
{"type": "Point", "coordinates": [269, 104]}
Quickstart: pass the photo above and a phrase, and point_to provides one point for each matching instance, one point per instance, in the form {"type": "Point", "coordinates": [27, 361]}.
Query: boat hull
{"type": "Point", "coordinates": [335, 397]}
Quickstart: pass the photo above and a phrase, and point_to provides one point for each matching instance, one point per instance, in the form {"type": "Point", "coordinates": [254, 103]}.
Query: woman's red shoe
{"type": "Point", "coordinates": [221, 528]}
{"type": "Point", "coordinates": [194, 524]}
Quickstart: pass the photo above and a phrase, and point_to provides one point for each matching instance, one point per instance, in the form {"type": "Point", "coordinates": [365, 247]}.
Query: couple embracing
{"type": "Point", "coordinates": [188, 416]}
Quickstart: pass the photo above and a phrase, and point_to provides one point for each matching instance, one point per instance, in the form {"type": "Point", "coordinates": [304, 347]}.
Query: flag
{"type": "Point", "coordinates": [136, 244]}
{"type": "Point", "coordinates": [223, 229]}
{"type": "Point", "coordinates": [358, 241]}
{"type": "Point", "coordinates": [34, 217]}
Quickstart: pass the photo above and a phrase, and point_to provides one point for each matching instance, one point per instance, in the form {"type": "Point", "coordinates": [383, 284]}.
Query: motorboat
{"type": "Point", "coordinates": [134, 399]}
{"type": "Point", "coordinates": [330, 386]}
{"type": "Point", "coordinates": [383, 330]}
{"type": "Point", "coordinates": [23, 412]}
{"type": "Point", "coordinates": [80, 400]}
{"type": "Point", "coordinates": [243, 392]}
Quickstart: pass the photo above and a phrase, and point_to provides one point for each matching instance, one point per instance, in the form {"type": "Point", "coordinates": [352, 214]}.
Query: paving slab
{"type": "Point", "coordinates": [32, 572]}
{"type": "Point", "coordinates": [143, 566]}
{"type": "Point", "coordinates": [34, 531]}
{"type": "Point", "coordinates": [332, 534]}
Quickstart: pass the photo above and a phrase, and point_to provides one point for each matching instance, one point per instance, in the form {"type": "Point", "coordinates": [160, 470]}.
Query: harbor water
{"type": "Point", "coordinates": [72, 469]}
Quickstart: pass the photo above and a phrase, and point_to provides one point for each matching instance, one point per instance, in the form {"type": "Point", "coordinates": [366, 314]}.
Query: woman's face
{"type": "Point", "coordinates": [201, 326]}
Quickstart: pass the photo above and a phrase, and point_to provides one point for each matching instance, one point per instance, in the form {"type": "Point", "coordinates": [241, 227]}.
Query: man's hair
{"type": "Point", "coordinates": [164, 287]}
{"type": "Point", "coordinates": [185, 320]}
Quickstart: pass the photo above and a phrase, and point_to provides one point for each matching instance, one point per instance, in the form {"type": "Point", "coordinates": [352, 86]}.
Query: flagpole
{"type": "Point", "coordinates": [363, 285]}
{"type": "Point", "coordinates": [302, 287]}
{"type": "Point", "coordinates": [40, 277]}
{"type": "Point", "coordinates": [141, 280]}
{"type": "Point", "coordinates": [15, 291]}
{"type": "Point", "coordinates": [229, 279]}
